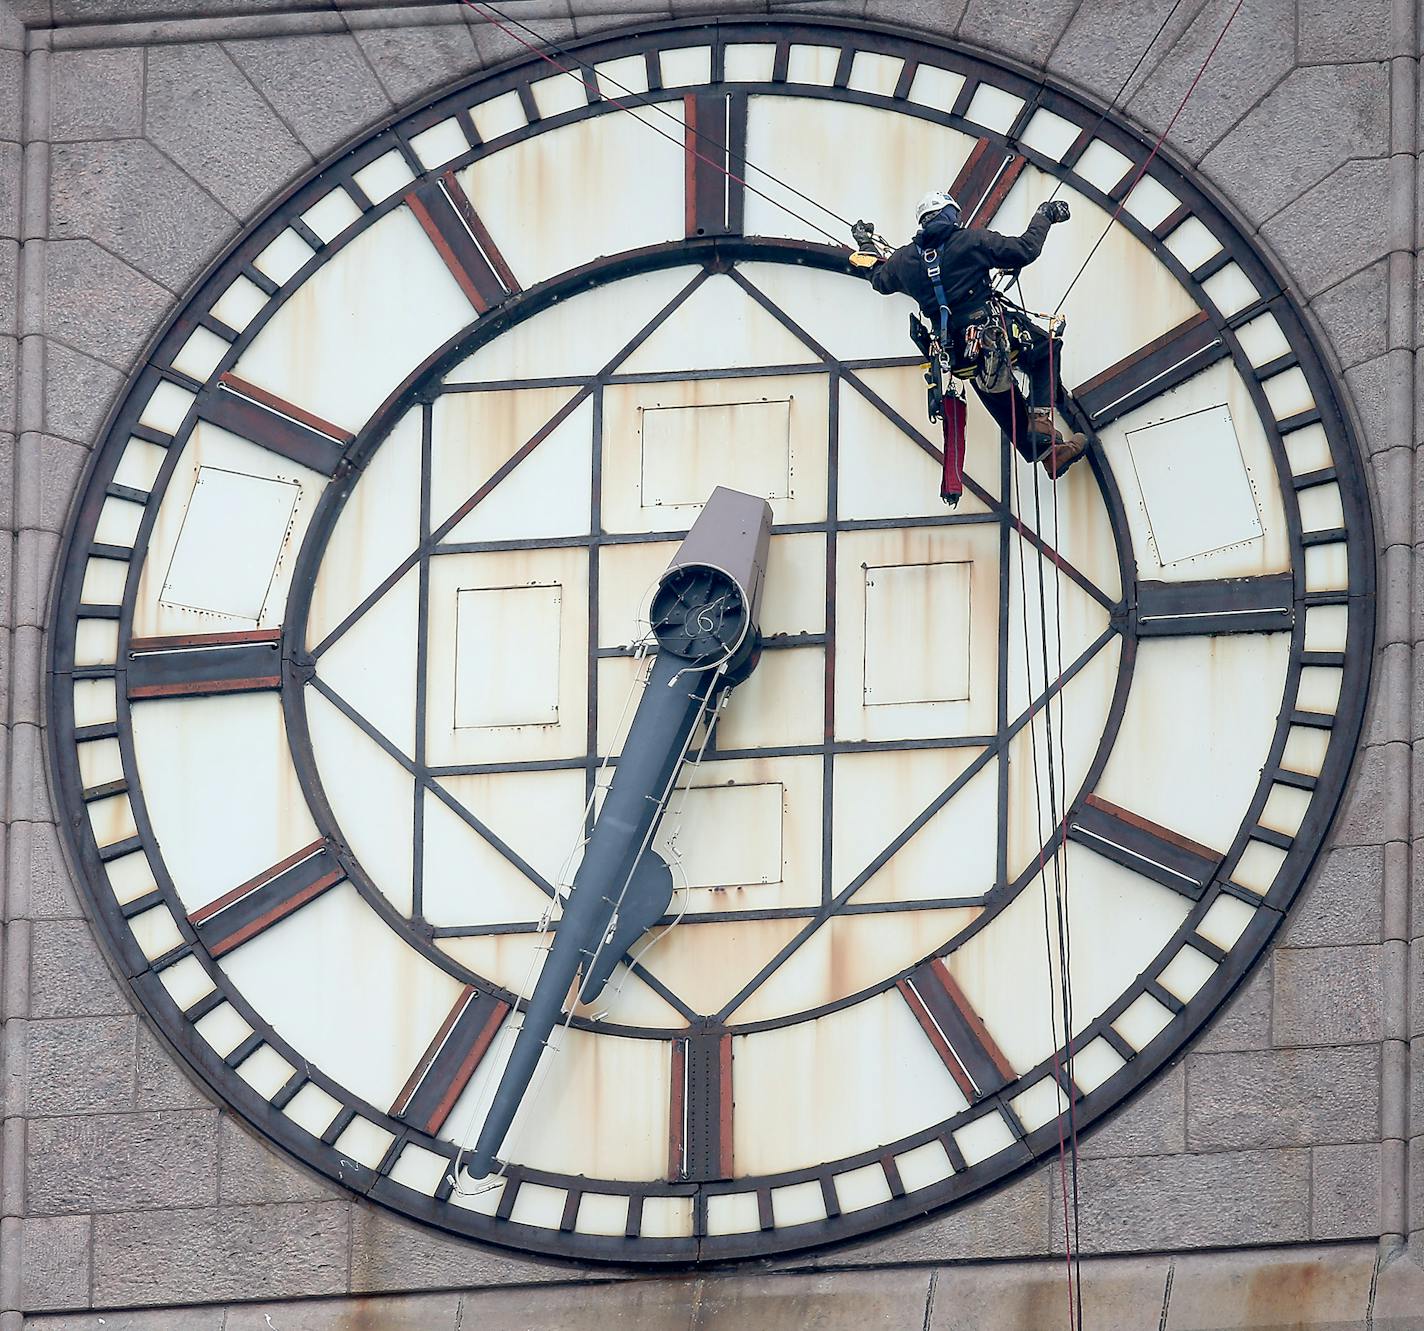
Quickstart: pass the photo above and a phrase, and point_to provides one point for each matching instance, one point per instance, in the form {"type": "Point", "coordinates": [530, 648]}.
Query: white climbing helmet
{"type": "Point", "coordinates": [934, 202]}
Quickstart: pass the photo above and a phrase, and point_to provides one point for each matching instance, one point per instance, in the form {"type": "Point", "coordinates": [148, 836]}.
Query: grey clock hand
{"type": "Point", "coordinates": [704, 617]}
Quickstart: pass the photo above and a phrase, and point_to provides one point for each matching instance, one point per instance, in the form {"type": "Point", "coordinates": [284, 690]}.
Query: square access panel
{"type": "Point", "coordinates": [725, 836]}
{"type": "Point", "coordinates": [229, 511]}
{"type": "Point", "coordinates": [1195, 489]}
{"type": "Point", "coordinates": [687, 451]}
{"type": "Point", "coordinates": [507, 656]}
{"type": "Point", "coordinates": [917, 633]}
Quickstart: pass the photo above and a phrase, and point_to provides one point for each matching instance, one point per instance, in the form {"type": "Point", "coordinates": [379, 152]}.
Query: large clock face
{"type": "Point", "coordinates": [347, 639]}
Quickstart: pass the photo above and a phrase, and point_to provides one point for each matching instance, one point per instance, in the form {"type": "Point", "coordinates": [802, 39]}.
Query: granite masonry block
{"type": "Point", "coordinates": [205, 114]}
{"type": "Point", "coordinates": [419, 1312]}
{"type": "Point", "coordinates": [494, 45]}
{"type": "Point", "coordinates": [1342, 903]}
{"type": "Point", "coordinates": [54, 1262]}
{"type": "Point", "coordinates": [1328, 995]}
{"type": "Point", "coordinates": [129, 198]}
{"type": "Point", "coordinates": [1370, 386]}
{"type": "Point", "coordinates": [839, 1301]}
{"type": "Point", "coordinates": [112, 1162]}
{"type": "Point", "coordinates": [1193, 1201]}
{"type": "Point", "coordinates": [1345, 1191]}
{"type": "Point", "coordinates": [1152, 1123]}
{"type": "Point", "coordinates": [6, 667]}
{"type": "Point", "coordinates": [7, 510]}
{"type": "Point", "coordinates": [34, 555]}
{"type": "Point", "coordinates": [1364, 814]}
{"type": "Point", "coordinates": [413, 61]}
{"type": "Point", "coordinates": [1392, 472]}
{"type": "Point", "coordinates": [935, 17]}
{"type": "Point", "coordinates": [9, 306]}
{"type": "Point", "coordinates": [1335, 228]}
{"type": "Point", "coordinates": [319, 84]}
{"type": "Point", "coordinates": [78, 393]}
{"type": "Point", "coordinates": [1024, 29]}
{"type": "Point", "coordinates": [1102, 43]}
{"type": "Point", "coordinates": [10, 190]}
{"type": "Point", "coordinates": [1329, 31]}
{"type": "Point", "coordinates": [53, 477]}
{"type": "Point", "coordinates": [12, 78]}
{"type": "Point", "coordinates": [68, 974]}
{"type": "Point", "coordinates": [1314, 120]}
{"type": "Point", "coordinates": [159, 1081]}
{"type": "Point", "coordinates": [230, 1252]}
{"type": "Point", "coordinates": [81, 1065]}
{"type": "Point", "coordinates": [36, 859]}
{"type": "Point", "coordinates": [96, 94]}
{"type": "Point", "coordinates": [609, 15]}
{"type": "Point", "coordinates": [1282, 1097]}
{"type": "Point", "coordinates": [1255, 54]}
{"type": "Point", "coordinates": [29, 795]}
{"type": "Point", "coordinates": [1012, 1221]}
{"type": "Point", "coordinates": [1353, 313]}
{"type": "Point", "coordinates": [252, 1171]}
{"type": "Point", "coordinates": [97, 304]}
{"type": "Point", "coordinates": [1119, 1294]}
{"type": "Point", "coordinates": [192, 1318]}
{"type": "Point", "coordinates": [25, 661]}
{"type": "Point", "coordinates": [392, 1254]}
{"type": "Point", "coordinates": [1329, 1289]}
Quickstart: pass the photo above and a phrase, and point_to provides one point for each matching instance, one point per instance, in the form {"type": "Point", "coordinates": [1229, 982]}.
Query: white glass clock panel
{"type": "Point", "coordinates": [330, 860]}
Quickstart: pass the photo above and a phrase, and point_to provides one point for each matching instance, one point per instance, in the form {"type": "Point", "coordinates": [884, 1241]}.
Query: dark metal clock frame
{"type": "Point", "coordinates": [719, 252]}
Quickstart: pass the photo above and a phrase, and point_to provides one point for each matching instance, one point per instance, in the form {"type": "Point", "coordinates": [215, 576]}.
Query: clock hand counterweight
{"type": "Point", "coordinates": [704, 616]}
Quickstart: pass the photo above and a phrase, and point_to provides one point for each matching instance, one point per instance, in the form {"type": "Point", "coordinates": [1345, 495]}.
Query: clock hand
{"type": "Point", "coordinates": [704, 616]}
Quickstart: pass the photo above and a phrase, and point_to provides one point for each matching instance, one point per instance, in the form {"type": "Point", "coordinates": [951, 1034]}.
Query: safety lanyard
{"type": "Point", "coordinates": [931, 262]}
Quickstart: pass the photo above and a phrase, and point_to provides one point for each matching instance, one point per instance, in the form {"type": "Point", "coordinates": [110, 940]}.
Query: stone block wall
{"type": "Point", "coordinates": [136, 138]}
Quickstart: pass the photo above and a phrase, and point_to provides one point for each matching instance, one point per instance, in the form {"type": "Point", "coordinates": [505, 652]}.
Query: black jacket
{"type": "Point", "coordinates": [965, 258]}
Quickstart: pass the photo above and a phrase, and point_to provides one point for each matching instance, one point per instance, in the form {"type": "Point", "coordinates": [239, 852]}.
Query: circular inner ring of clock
{"type": "Point", "coordinates": [354, 636]}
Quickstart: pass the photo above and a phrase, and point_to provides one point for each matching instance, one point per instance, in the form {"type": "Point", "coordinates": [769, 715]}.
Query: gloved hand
{"type": "Point", "coordinates": [1056, 210]}
{"type": "Point", "coordinates": [863, 232]}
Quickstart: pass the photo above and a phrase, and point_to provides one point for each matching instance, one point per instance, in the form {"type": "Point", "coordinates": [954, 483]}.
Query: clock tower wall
{"type": "Point", "coordinates": [1269, 1172]}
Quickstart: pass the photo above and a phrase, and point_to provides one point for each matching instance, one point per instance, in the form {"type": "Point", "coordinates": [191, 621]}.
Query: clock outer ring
{"type": "Point", "coordinates": [62, 763]}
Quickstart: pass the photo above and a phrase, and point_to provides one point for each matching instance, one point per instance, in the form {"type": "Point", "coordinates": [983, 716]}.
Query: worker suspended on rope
{"type": "Point", "coordinates": [969, 331]}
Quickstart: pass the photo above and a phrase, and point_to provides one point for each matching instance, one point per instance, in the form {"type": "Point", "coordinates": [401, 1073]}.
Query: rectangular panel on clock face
{"type": "Point", "coordinates": [1199, 483]}
{"type": "Point", "coordinates": [745, 836]}
{"type": "Point", "coordinates": [931, 603]}
{"type": "Point", "coordinates": [347, 991]}
{"type": "Point", "coordinates": [363, 321]}
{"type": "Point", "coordinates": [807, 140]}
{"type": "Point", "coordinates": [507, 656]}
{"type": "Point", "coordinates": [689, 449]}
{"type": "Point", "coordinates": [1204, 710]}
{"type": "Point", "coordinates": [217, 772]}
{"type": "Point", "coordinates": [523, 192]}
{"type": "Point", "coordinates": [1194, 484]}
{"type": "Point", "coordinates": [725, 836]}
{"type": "Point", "coordinates": [227, 551]}
{"type": "Point", "coordinates": [481, 709]}
{"type": "Point", "coordinates": [1007, 979]}
{"type": "Point", "coordinates": [877, 618]}
{"type": "Point", "coordinates": [668, 444]}
{"type": "Point", "coordinates": [219, 553]}
{"type": "Point", "coordinates": [850, 1081]}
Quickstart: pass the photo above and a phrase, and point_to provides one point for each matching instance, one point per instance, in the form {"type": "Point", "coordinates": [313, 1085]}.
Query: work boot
{"type": "Point", "coordinates": [1063, 454]}
{"type": "Point", "coordinates": [1056, 451]}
